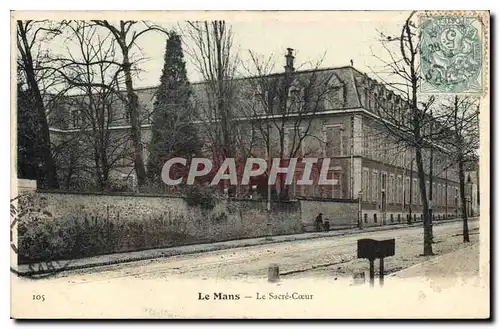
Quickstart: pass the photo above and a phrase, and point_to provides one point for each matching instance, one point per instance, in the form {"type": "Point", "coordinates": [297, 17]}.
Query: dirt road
{"type": "Point", "coordinates": [332, 257]}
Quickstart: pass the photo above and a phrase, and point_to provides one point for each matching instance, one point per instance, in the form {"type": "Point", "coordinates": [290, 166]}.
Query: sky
{"type": "Point", "coordinates": [338, 36]}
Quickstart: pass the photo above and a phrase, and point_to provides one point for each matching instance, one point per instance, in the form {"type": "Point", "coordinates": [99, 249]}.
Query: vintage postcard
{"type": "Point", "coordinates": [250, 165]}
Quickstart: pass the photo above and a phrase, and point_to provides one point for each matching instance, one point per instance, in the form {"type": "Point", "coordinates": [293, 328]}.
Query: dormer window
{"type": "Point", "coordinates": [261, 95]}
{"type": "Point", "coordinates": [376, 101]}
{"type": "Point", "coordinates": [75, 119]}
{"type": "Point", "coordinates": [296, 96]}
{"type": "Point", "coordinates": [294, 92]}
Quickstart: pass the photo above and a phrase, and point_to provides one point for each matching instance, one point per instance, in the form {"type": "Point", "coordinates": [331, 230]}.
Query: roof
{"type": "Point", "coordinates": [347, 78]}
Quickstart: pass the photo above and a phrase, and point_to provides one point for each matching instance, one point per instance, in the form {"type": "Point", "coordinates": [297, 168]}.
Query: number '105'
{"type": "Point", "coordinates": [39, 297]}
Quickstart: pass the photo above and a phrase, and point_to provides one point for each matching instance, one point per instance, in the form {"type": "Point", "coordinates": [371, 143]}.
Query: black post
{"type": "Point", "coordinates": [431, 190]}
{"type": "Point", "coordinates": [411, 192]}
{"type": "Point", "coordinates": [381, 271]}
{"type": "Point", "coordinates": [372, 273]}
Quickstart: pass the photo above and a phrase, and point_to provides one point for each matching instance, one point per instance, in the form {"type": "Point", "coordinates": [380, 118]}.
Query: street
{"type": "Point", "coordinates": [333, 257]}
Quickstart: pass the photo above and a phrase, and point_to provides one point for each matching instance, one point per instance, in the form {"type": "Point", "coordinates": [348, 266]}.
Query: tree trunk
{"type": "Point", "coordinates": [133, 110]}
{"type": "Point", "coordinates": [410, 200]}
{"type": "Point", "coordinates": [431, 173]}
{"type": "Point", "coordinates": [461, 176]}
{"type": "Point", "coordinates": [43, 150]}
{"type": "Point", "coordinates": [425, 205]}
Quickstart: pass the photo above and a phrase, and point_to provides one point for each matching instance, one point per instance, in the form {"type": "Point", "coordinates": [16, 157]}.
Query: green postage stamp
{"type": "Point", "coordinates": [451, 54]}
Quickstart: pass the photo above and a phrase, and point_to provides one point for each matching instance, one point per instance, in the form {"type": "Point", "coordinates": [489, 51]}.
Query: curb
{"type": "Point", "coordinates": [169, 252]}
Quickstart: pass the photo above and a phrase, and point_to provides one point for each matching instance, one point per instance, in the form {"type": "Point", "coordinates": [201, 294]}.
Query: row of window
{"type": "Point", "coordinates": [76, 120]}
{"type": "Point", "coordinates": [397, 191]}
{"type": "Point", "coordinates": [406, 217]}
{"type": "Point", "coordinates": [379, 148]}
{"type": "Point", "coordinates": [322, 191]}
{"type": "Point", "coordinates": [332, 141]}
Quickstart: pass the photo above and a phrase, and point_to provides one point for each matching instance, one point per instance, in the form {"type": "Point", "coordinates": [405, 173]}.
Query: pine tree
{"type": "Point", "coordinates": [173, 133]}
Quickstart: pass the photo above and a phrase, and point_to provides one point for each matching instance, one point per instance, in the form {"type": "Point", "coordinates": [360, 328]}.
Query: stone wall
{"type": "Point", "coordinates": [341, 213]}
{"type": "Point", "coordinates": [88, 224]}
{"type": "Point", "coordinates": [228, 220]}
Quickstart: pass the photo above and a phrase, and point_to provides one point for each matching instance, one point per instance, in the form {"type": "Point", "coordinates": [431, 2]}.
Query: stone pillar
{"type": "Point", "coordinates": [273, 273]}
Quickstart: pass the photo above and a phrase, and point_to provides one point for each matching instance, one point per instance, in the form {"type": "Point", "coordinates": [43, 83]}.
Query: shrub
{"type": "Point", "coordinates": [51, 239]}
{"type": "Point", "coordinates": [202, 196]}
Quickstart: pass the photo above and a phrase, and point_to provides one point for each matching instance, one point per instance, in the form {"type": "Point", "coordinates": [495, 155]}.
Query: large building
{"type": "Point", "coordinates": [344, 124]}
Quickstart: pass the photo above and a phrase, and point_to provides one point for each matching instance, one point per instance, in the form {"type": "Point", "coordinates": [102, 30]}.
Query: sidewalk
{"type": "Point", "coordinates": [461, 262]}
{"type": "Point", "coordinates": [58, 266]}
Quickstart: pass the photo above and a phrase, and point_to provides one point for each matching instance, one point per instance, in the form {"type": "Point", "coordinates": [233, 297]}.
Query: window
{"type": "Point", "coordinates": [438, 195]}
{"type": "Point", "coordinates": [407, 191]}
{"type": "Point", "coordinates": [392, 188]}
{"type": "Point", "coordinates": [395, 189]}
{"type": "Point", "coordinates": [337, 188]}
{"type": "Point", "coordinates": [365, 143]}
{"type": "Point", "coordinates": [261, 101]}
{"type": "Point", "coordinates": [385, 151]}
{"type": "Point", "coordinates": [417, 191]}
{"type": "Point", "coordinates": [370, 144]}
{"type": "Point", "coordinates": [443, 195]}
{"type": "Point", "coordinates": [294, 138]}
{"type": "Point", "coordinates": [414, 191]}
{"type": "Point", "coordinates": [389, 193]}
{"type": "Point", "coordinates": [376, 101]}
{"type": "Point", "coordinates": [399, 189]}
{"type": "Point", "coordinates": [75, 119]}
{"type": "Point", "coordinates": [334, 98]}
{"type": "Point", "coordinates": [374, 186]}
{"type": "Point", "coordinates": [366, 184]}
{"type": "Point", "coordinates": [377, 186]}
{"type": "Point", "coordinates": [260, 95]}
{"type": "Point", "coordinates": [332, 138]}
{"type": "Point", "coordinates": [296, 98]}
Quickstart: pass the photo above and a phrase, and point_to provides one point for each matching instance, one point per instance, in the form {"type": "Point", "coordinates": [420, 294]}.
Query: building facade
{"type": "Point", "coordinates": [345, 126]}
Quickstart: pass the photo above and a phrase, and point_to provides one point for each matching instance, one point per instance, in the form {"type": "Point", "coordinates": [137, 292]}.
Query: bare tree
{"type": "Point", "coordinates": [126, 35]}
{"type": "Point", "coordinates": [282, 106]}
{"type": "Point", "coordinates": [96, 75]}
{"type": "Point", "coordinates": [410, 122]}
{"type": "Point", "coordinates": [91, 71]}
{"type": "Point", "coordinates": [30, 36]}
{"type": "Point", "coordinates": [463, 142]}
{"type": "Point", "coordinates": [210, 47]}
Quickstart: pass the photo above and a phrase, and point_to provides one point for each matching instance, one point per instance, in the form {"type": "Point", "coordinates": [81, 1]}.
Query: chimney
{"type": "Point", "coordinates": [289, 61]}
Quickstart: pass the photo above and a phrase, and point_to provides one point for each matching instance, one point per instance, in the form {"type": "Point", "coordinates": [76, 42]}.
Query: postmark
{"type": "Point", "coordinates": [451, 54]}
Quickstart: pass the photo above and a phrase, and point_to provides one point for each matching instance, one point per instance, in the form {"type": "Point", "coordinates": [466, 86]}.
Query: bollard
{"type": "Point", "coordinates": [359, 278]}
{"type": "Point", "coordinates": [273, 273]}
